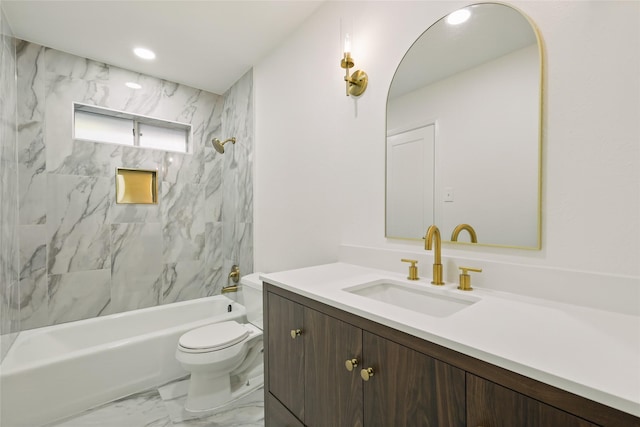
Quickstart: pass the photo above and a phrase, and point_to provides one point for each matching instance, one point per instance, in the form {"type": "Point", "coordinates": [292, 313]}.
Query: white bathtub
{"type": "Point", "coordinates": [57, 371]}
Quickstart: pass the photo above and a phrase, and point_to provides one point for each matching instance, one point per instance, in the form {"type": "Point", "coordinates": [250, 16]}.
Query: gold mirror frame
{"type": "Point", "coordinates": [534, 193]}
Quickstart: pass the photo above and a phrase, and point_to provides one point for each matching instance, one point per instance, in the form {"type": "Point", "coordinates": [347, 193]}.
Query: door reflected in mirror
{"type": "Point", "coordinates": [464, 129]}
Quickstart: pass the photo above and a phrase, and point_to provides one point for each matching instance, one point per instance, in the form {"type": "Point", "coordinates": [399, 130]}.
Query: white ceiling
{"type": "Point", "coordinates": [205, 44]}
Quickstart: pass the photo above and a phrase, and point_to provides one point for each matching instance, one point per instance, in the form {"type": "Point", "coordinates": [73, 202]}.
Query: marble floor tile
{"type": "Point", "coordinates": [247, 411]}
{"type": "Point", "coordinates": [138, 410]}
{"type": "Point", "coordinates": [148, 409]}
{"type": "Point", "coordinates": [247, 404]}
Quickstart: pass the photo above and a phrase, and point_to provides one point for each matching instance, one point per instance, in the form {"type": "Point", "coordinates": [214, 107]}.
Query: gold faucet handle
{"type": "Point", "coordinates": [413, 269]}
{"type": "Point", "coordinates": [235, 273]}
{"type": "Point", "coordinates": [465, 278]}
{"type": "Point", "coordinates": [465, 269]}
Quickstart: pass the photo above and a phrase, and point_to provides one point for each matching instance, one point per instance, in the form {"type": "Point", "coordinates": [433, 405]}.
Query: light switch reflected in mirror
{"type": "Point", "coordinates": [464, 131]}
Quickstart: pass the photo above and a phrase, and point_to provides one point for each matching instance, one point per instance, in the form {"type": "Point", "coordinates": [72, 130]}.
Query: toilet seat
{"type": "Point", "coordinates": [216, 336]}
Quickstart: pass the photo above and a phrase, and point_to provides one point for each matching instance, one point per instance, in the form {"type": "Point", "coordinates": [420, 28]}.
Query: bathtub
{"type": "Point", "coordinates": [57, 371]}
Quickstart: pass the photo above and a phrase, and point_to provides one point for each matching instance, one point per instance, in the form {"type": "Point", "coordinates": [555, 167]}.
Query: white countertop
{"type": "Point", "coordinates": [589, 352]}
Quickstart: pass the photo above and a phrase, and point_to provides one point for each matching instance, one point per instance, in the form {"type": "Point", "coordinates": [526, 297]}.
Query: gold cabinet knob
{"type": "Point", "coordinates": [350, 364]}
{"type": "Point", "coordinates": [296, 333]}
{"type": "Point", "coordinates": [366, 374]}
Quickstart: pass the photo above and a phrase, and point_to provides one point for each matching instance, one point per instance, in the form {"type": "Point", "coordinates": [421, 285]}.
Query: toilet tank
{"type": "Point", "coordinates": [251, 287]}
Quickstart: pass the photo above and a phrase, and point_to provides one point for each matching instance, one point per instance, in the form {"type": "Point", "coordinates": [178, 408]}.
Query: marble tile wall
{"type": "Point", "coordinates": [237, 176]}
{"type": "Point", "coordinates": [82, 255]}
{"type": "Point", "coordinates": [9, 253]}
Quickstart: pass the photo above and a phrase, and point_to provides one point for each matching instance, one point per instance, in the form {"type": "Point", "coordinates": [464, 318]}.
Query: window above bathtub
{"type": "Point", "coordinates": [97, 124]}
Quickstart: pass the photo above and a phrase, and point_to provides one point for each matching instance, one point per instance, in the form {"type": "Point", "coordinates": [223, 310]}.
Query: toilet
{"type": "Point", "coordinates": [222, 355]}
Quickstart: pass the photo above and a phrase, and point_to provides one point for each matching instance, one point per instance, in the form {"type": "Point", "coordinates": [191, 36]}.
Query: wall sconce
{"type": "Point", "coordinates": [356, 82]}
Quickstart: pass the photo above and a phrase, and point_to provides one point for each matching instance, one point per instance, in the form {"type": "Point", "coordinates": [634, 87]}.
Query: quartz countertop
{"type": "Point", "coordinates": [592, 353]}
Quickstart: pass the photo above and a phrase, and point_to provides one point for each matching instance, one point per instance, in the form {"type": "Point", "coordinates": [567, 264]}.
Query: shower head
{"type": "Point", "coordinates": [219, 146]}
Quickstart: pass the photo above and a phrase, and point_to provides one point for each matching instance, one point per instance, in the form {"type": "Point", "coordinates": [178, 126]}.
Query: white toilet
{"type": "Point", "coordinates": [214, 353]}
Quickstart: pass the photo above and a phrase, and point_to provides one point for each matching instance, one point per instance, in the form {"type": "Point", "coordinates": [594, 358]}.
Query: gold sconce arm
{"type": "Point", "coordinates": [356, 82]}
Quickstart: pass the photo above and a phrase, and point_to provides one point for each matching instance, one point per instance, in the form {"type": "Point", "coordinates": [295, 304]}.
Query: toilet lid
{"type": "Point", "coordinates": [214, 336]}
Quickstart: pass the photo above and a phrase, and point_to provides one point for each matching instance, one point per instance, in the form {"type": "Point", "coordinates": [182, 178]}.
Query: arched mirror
{"type": "Point", "coordinates": [464, 131]}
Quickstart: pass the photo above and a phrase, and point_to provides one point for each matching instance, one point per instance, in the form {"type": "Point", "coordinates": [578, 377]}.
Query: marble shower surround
{"type": "Point", "coordinates": [82, 255]}
{"type": "Point", "coordinates": [9, 254]}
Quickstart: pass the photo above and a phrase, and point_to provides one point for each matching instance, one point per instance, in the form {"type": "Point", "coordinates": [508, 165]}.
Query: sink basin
{"type": "Point", "coordinates": [413, 297]}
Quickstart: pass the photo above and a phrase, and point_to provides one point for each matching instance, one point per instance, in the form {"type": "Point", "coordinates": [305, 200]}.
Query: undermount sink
{"type": "Point", "coordinates": [413, 297]}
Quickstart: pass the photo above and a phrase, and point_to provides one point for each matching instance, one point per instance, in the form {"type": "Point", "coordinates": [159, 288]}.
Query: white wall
{"type": "Point", "coordinates": [320, 155]}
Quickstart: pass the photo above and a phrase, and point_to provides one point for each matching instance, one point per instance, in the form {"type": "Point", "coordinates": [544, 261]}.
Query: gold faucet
{"type": "Point", "coordinates": [235, 276]}
{"type": "Point", "coordinates": [235, 273]}
{"type": "Point", "coordinates": [434, 234]}
{"type": "Point", "coordinates": [459, 228]}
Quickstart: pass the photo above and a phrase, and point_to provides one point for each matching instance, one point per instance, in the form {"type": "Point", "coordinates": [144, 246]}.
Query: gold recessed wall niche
{"type": "Point", "coordinates": [464, 120]}
{"type": "Point", "coordinates": [136, 186]}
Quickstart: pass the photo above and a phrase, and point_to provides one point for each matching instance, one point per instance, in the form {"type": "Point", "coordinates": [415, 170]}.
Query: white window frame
{"type": "Point", "coordinates": [136, 120]}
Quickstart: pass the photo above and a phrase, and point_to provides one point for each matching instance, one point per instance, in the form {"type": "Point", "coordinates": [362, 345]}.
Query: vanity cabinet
{"type": "Point", "coordinates": [414, 382]}
{"type": "Point", "coordinates": [409, 388]}
{"type": "Point", "coordinates": [333, 394]}
{"type": "Point", "coordinates": [491, 405]}
{"type": "Point", "coordinates": [308, 353]}
{"type": "Point", "coordinates": [285, 370]}
{"type": "Point", "coordinates": [306, 369]}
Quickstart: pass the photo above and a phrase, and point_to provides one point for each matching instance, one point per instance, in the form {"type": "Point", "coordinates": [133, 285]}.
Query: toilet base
{"type": "Point", "coordinates": [247, 394]}
{"type": "Point", "coordinates": [211, 385]}
{"type": "Point", "coordinates": [238, 391]}
{"type": "Point", "coordinates": [207, 391]}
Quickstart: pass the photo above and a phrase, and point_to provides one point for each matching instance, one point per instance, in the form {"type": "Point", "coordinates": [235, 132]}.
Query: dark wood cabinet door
{"type": "Point", "coordinates": [409, 388]}
{"type": "Point", "coordinates": [277, 415]}
{"type": "Point", "coordinates": [333, 394]}
{"type": "Point", "coordinates": [491, 405]}
{"type": "Point", "coordinates": [286, 354]}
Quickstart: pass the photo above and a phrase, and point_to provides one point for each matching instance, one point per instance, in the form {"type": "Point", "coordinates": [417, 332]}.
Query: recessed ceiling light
{"type": "Point", "coordinates": [133, 85]}
{"type": "Point", "coordinates": [458, 17]}
{"type": "Point", "coordinates": [144, 53]}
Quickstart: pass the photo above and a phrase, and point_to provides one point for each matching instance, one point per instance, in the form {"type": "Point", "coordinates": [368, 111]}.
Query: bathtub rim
{"type": "Point", "coordinates": [9, 367]}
